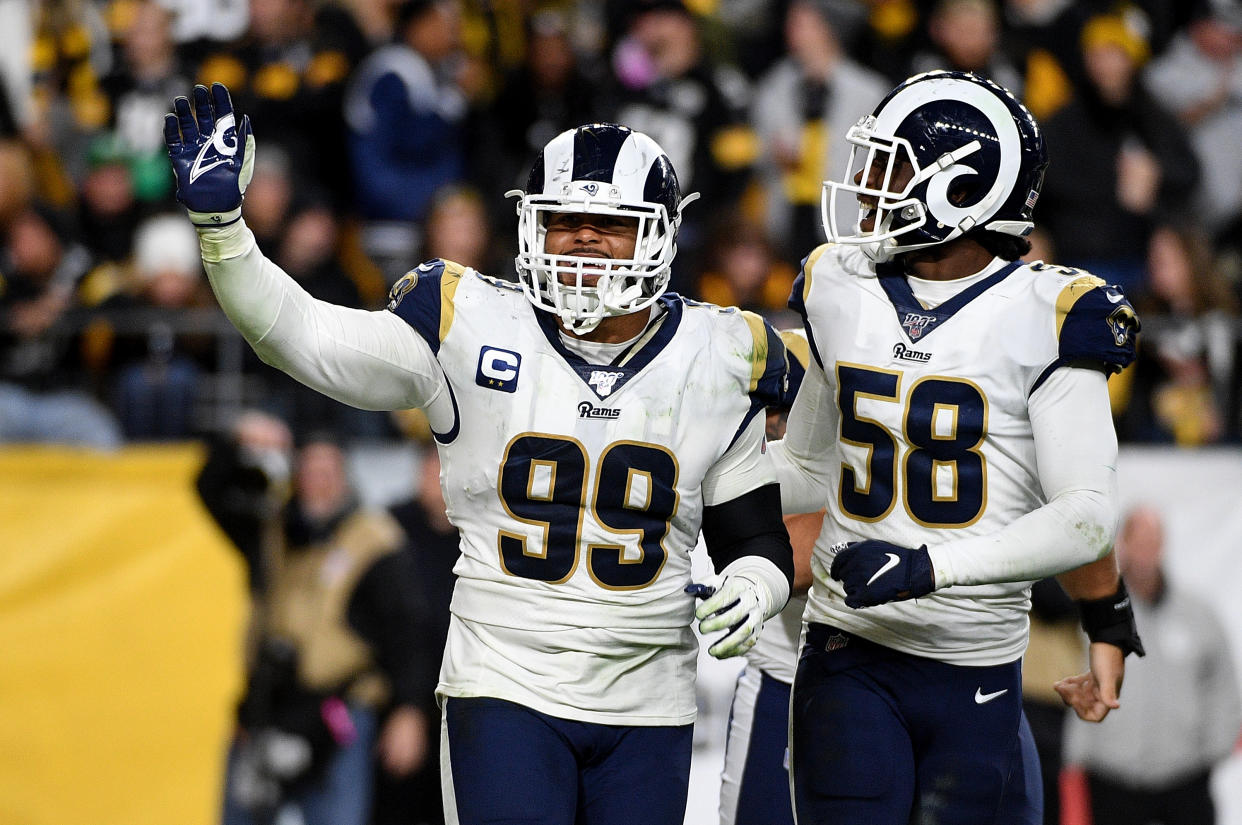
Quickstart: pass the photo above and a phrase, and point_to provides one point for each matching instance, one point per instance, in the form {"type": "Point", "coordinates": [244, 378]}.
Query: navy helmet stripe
{"type": "Point", "coordinates": [535, 181]}
{"type": "Point", "coordinates": [661, 185]}
{"type": "Point", "coordinates": [596, 151]}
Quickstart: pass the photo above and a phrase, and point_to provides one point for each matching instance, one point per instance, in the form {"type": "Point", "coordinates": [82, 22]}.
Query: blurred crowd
{"type": "Point", "coordinates": [389, 132]}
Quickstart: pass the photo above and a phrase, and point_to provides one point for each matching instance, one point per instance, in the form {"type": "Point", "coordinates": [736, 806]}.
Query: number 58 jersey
{"type": "Point", "coordinates": [933, 438]}
{"type": "Point", "coordinates": [579, 489]}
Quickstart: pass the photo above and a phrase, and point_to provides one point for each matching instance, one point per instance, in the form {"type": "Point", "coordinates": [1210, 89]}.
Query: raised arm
{"type": "Point", "coordinates": [371, 360]}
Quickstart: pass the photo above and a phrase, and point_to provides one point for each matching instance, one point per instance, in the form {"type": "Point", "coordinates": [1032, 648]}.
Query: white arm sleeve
{"type": "Point", "coordinates": [743, 467]}
{"type": "Point", "coordinates": [804, 467]}
{"type": "Point", "coordinates": [372, 360]}
{"type": "Point", "coordinates": [1076, 456]}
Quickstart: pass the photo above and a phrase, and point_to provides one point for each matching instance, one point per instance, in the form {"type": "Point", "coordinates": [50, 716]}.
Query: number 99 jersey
{"type": "Point", "coordinates": [934, 438]}
{"type": "Point", "coordinates": [579, 489]}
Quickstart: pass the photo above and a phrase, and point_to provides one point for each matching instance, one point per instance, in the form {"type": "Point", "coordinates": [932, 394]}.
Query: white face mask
{"type": "Point", "coordinates": [558, 283]}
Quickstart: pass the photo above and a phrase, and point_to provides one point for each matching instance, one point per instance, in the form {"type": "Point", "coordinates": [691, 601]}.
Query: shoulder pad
{"type": "Point", "coordinates": [423, 298]}
{"type": "Point", "coordinates": [1095, 323]}
{"type": "Point", "coordinates": [769, 369]}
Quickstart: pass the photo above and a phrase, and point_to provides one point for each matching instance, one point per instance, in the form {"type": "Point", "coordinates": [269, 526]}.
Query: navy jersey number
{"type": "Point", "coordinates": [543, 482]}
{"type": "Point", "coordinates": [943, 426]}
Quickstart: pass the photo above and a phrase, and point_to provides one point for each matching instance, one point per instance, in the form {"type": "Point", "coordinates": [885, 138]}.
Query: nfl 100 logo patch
{"type": "Point", "coordinates": [915, 324]}
{"type": "Point", "coordinates": [603, 381]}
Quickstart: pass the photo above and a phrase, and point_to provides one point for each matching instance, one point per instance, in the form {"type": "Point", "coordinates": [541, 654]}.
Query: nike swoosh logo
{"type": "Point", "coordinates": [215, 152]}
{"type": "Point", "coordinates": [1113, 296]}
{"type": "Point", "coordinates": [982, 698]}
{"type": "Point", "coordinates": [893, 561]}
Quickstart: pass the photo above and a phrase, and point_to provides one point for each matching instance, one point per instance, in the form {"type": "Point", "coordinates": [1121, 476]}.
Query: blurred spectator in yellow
{"type": "Point", "coordinates": [432, 543]}
{"type": "Point", "coordinates": [800, 107]}
{"type": "Point", "coordinates": [289, 75]}
{"type": "Point", "coordinates": [147, 75]}
{"type": "Point", "coordinates": [42, 395]}
{"type": "Point", "coordinates": [1200, 79]}
{"type": "Point", "coordinates": [1119, 161]}
{"type": "Point", "coordinates": [745, 271]}
{"type": "Point", "coordinates": [70, 53]}
{"type": "Point", "coordinates": [340, 641]}
{"type": "Point", "coordinates": [891, 36]}
{"type": "Point", "coordinates": [1185, 380]}
{"type": "Point", "coordinates": [543, 97]}
{"type": "Point", "coordinates": [674, 90]}
{"type": "Point", "coordinates": [1152, 761]}
{"type": "Point", "coordinates": [1042, 38]}
{"type": "Point", "coordinates": [965, 35]}
{"type": "Point", "coordinates": [405, 112]}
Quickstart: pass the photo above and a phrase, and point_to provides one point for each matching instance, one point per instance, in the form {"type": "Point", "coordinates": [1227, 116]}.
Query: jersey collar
{"type": "Point", "coordinates": [629, 362]}
{"type": "Point", "coordinates": [916, 320]}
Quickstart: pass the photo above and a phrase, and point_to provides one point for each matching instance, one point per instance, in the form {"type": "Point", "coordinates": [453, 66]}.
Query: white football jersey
{"type": "Point", "coordinates": [579, 491]}
{"type": "Point", "coordinates": [776, 652]}
{"type": "Point", "coordinates": [933, 436]}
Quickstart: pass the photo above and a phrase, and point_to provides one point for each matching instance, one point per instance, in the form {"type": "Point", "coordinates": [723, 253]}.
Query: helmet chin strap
{"type": "Point", "coordinates": [577, 310]}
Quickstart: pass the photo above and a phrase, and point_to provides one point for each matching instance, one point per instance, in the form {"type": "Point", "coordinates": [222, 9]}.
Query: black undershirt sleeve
{"type": "Point", "coordinates": [749, 525]}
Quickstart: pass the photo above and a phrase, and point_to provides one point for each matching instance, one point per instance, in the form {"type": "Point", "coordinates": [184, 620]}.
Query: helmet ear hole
{"type": "Point", "coordinates": [960, 193]}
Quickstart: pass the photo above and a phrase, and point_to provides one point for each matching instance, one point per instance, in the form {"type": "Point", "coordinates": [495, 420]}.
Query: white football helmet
{"type": "Point", "coordinates": [600, 169]}
{"type": "Point", "coordinates": [974, 155]}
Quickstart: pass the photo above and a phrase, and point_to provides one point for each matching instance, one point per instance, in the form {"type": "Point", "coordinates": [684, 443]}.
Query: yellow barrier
{"type": "Point", "coordinates": [122, 614]}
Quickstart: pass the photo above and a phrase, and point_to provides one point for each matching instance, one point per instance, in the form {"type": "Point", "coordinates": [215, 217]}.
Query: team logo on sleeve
{"type": "Point", "coordinates": [498, 369]}
{"type": "Point", "coordinates": [1123, 323]}
{"type": "Point", "coordinates": [401, 288]}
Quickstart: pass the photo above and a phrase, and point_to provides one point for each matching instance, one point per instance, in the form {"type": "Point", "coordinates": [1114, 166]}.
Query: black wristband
{"type": "Point", "coordinates": [1111, 620]}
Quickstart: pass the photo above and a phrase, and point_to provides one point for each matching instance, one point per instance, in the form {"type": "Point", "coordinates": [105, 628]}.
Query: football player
{"type": "Point", "coordinates": [955, 422]}
{"type": "Point", "coordinates": [589, 426]}
{"type": "Point", "coordinates": [754, 788]}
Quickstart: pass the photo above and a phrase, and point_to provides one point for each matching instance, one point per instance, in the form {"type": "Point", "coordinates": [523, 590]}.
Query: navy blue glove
{"type": "Point", "coordinates": [876, 572]}
{"type": "Point", "coordinates": [212, 158]}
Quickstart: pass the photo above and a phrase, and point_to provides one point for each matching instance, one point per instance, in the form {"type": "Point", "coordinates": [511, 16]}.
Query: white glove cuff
{"type": "Point", "coordinates": [771, 585]}
{"type": "Point", "coordinates": [205, 220]}
{"type": "Point", "coordinates": [219, 243]}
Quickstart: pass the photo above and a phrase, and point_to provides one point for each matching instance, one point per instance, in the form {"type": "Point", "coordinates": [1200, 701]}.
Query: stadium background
{"type": "Point", "coordinates": [122, 607]}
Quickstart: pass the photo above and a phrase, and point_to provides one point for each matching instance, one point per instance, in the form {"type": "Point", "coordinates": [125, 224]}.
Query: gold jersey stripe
{"type": "Point", "coordinates": [449, 281]}
{"type": "Point", "coordinates": [759, 354]}
{"type": "Point", "coordinates": [797, 345]}
{"type": "Point", "coordinates": [811, 260]}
